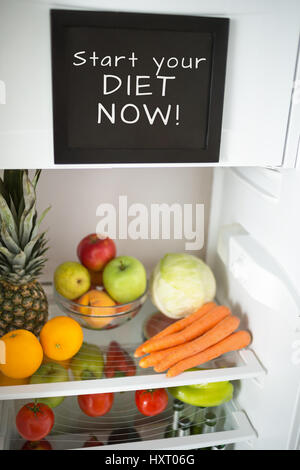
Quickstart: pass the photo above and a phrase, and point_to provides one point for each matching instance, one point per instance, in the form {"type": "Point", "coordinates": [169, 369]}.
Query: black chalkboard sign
{"type": "Point", "coordinates": [137, 88]}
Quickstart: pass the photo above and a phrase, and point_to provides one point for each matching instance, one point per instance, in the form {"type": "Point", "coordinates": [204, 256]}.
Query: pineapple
{"type": "Point", "coordinates": [23, 302]}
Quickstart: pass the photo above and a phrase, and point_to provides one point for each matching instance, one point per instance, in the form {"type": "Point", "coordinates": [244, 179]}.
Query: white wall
{"type": "Point", "coordinates": [75, 194]}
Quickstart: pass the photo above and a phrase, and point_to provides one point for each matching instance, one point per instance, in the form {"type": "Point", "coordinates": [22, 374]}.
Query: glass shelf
{"type": "Point", "coordinates": [232, 366]}
{"type": "Point", "coordinates": [73, 428]}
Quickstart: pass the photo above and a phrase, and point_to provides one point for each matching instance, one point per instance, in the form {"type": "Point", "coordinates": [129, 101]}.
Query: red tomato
{"type": "Point", "coordinates": [97, 404]}
{"type": "Point", "coordinates": [37, 445]}
{"type": "Point", "coordinates": [92, 442]}
{"type": "Point", "coordinates": [34, 421]}
{"type": "Point", "coordinates": [151, 402]}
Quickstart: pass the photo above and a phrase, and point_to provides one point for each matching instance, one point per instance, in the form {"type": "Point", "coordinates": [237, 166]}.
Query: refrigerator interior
{"type": "Point", "coordinates": [131, 430]}
{"type": "Point", "coordinates": [250, 225]}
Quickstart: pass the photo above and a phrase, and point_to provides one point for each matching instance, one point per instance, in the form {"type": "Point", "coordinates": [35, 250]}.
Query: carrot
{"type": "Point", "coordinates": [177, 326]}
{"type": "Point", "coordinates": [155, 357]}
{"type": "Point", "coordinates": [170, 354]}
{"type": "Point", "coordinates": [237, 340]}
{"type": "Point", "coordinates": [223, 329]}
{"type": "Point", "coordinates": [196, 329]}
{"type": "Point", "coordinates": [140, 349]}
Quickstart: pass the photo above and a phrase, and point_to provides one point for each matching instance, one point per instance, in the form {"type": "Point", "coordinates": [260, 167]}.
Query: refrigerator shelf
{"type": "Point", "coordinates": [73, 429]}
{"type": "Point", "coordinates": [231, 366]}
{"type": "Point", "coordinates": [242, 432]}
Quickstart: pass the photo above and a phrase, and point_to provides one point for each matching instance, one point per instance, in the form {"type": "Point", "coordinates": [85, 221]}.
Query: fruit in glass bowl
{"type": "Point", "coordinates": [124, 278]}
{"type": "Point", "coordinates": [94, 251]}
{"type": "Point", "coordinates": [96, 298]}
{"type": "Point", "coordinates": [101, 317]}
{"type": "Point", "coordinates": [71, 279]}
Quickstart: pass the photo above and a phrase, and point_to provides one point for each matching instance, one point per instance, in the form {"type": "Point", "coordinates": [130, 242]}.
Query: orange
{"type": "Point", "coordinates": [7, 381]}
{"type": "Point", "coordinates": [23, 354]}
{"type": "Point", "coordinates": [61, 338]}
{"type": "Point", "coordinates": [96, 298]}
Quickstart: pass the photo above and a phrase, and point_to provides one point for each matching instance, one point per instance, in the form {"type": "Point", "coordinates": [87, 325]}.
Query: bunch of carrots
{"type": "Point", "coordinates": [202, 336]}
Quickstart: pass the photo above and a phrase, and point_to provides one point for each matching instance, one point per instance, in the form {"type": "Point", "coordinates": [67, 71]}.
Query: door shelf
{"type": "Point", "coordinates": [73, 428]}
{"type": "Point", "coordinates": [231, 366]}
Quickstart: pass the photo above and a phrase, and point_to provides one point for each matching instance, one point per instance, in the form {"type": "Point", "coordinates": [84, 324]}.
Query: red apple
{"type": "Point", "coordinates": [37, 445]}
{"type": "Point", "coordinates": [94, 252]}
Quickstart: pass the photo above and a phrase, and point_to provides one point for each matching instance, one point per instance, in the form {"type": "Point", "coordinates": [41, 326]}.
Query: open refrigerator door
{"type": "Point", "coordinates": [253, 251]}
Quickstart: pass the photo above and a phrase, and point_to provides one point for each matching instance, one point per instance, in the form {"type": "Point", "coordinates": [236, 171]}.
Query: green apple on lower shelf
{"type": "Point", "coordinates": [50, 373]}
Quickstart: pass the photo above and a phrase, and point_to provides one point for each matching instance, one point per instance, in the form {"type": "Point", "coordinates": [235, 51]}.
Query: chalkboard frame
{"type": "Point", "coordinates": [62, 19]}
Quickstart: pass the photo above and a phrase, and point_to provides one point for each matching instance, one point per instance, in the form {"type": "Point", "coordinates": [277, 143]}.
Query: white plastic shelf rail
{"type": "Point", "coordinates": [245, 366]}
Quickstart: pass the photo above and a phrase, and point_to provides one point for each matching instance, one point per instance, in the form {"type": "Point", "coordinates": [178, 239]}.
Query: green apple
{"type": "Point", "coordinates": [88, 363]}
{"type": "Point", "coordinates": [72, 280]}
{"type": "Point", "coordinates": [125, 279]}
{"type": "Point", "coordinates": [50, 373]}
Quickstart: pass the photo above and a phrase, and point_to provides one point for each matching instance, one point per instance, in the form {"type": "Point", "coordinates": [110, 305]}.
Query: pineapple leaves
{"type": "Point", "coordinates": [28, 226]}
{"type": "Point", "coordinates": [28, 192]}
{"type": "Point", "coordinates": [4, 268]}
{"type": "Point", "coordinates": [38, 223]}
{"type": "Point", "coordinates": [7, 254]}
{"type": "Point", "coordinates": [22, 248]}
{"type": "Point", "coordinates": [13, 185]}
{"type": "Point", "coordinates": [30, 246]}
{"type": "Point", "coordinates": [36, 178]}
{"type": "Point", "coordinates": [7, 219]}
{"type": "Point", "coordinates": [3, 191]}
{"type": "Point", "coordinates": [35, 263]}
{"type": "Point", "coordinates": [19, 260]}
{"type": "Point", "coordinates": [13, 210]}
{"type": "Point", "coordinates": [27, 218]}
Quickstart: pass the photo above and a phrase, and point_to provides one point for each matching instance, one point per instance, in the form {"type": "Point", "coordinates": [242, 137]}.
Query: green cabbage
{"type": "Point", "coordinates": [180, 284]}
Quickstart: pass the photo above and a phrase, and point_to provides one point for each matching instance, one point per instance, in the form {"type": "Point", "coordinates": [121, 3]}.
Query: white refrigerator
{"type": "Point", "coordinates": [240, 215]}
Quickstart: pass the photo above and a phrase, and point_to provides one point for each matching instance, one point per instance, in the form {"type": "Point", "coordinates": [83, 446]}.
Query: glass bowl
{"type": "Point", "coordinates": [100, 318]}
